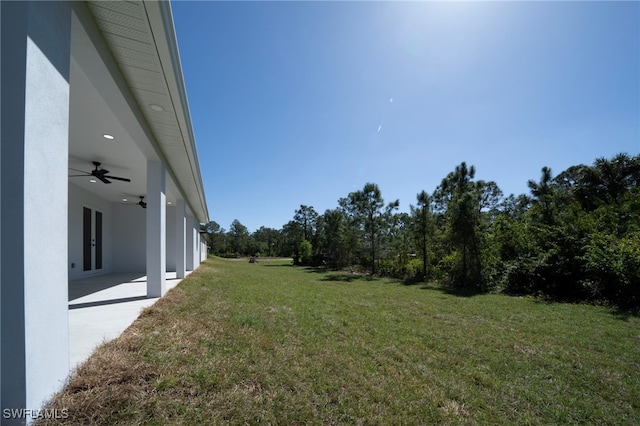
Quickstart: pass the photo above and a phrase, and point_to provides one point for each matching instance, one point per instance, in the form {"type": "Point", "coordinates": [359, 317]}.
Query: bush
{"type": "Point", "coordinates": [414, 270]}
{"type": "Point", "coordinates": [400, 268]}
{"type": "Point", "coordinates": [519, 276]}
{"type": "Point", "coordinates": [305, 252]}
{"type": "Point", "coordinates": [613, 266]}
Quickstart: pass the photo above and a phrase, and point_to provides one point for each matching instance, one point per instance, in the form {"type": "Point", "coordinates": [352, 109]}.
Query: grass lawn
{"type": "Point", "coordinates": [241, 343]}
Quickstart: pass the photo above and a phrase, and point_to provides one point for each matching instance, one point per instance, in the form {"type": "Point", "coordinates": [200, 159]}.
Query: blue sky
{"type": "Point", "coordinates": [303, 102]}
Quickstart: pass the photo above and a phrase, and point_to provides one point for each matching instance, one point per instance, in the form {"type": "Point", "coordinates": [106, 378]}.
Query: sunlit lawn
{"type": "Point", "coordinates": [270, 343]}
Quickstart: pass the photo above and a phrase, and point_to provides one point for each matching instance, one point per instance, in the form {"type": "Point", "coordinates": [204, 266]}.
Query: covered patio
{"type": "Point", "coordinates": [103, 306]}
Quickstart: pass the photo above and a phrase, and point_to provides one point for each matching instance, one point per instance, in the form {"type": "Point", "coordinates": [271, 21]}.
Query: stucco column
{"type": "Point", "coordinates": [181, 239]}
{"type": "Point", "coordinates": [34, 339]}
{"type": "Point", "coordinates": [190, 243]}
{"type": "Point", "coordinates": [156, 229]}
{"type": "Point", "coordinates": [196, 243]}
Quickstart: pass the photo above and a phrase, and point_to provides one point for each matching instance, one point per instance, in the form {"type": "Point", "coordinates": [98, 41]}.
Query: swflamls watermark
{"type": "Point", "coordinates": [25, 413]}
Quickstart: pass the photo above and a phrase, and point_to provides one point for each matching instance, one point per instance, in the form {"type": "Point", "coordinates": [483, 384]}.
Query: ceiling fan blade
{"type": "Point", "coordinates": [118, 178]}
{"type": "Point", "coordinates": [102, 178]}
{"type": "Point", "coordinates": [98, 173]}
{"type": "Point", "coordinates": [79, 175]}
{"type": "Point", "coordinates": [81, 171]}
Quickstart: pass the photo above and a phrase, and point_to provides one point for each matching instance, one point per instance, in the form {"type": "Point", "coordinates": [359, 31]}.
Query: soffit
{"type": "Point", "coordinates": [141, 39]}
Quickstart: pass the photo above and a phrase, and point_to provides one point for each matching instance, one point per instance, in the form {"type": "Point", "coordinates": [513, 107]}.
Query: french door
{"type": "Point", "coordinates": [91, 239]}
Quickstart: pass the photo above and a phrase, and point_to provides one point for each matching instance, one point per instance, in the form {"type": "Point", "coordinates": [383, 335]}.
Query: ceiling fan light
{"type": "Point", "coordinates": [108, 136]}
{"type": "Point", "coordinates": [92, 180]}
{"type": "Point", "coordinates": [125, 200]}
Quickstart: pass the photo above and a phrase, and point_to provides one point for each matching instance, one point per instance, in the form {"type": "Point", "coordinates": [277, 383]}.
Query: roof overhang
{"type": "Point", "coordinates": [142, 41]}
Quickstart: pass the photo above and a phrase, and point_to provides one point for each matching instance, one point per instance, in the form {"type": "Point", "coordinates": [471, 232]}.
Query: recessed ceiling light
{"type": "Point", "coordinates": [107, 136]}
{"type": "Point", "coordinates": [155, 107]}
{"type": "Point", "coordinates": [92, 180]}
{"type": "Point", "coordinates": [169, 203]}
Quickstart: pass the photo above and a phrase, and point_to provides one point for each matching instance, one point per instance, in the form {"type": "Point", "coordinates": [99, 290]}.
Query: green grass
{"type": "Point", "coordinates": [241, 343]}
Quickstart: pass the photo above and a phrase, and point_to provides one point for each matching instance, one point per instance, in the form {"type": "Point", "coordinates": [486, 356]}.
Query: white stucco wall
{"type": "Point", "coordinates": [181, 238]}
{"type": "Point", "coordinates": [34, 151]}
{"type": "Point", "coordinates": [190, 266]}
{"type": "Point", "coordinates": [129, 252]}
{"type": "Point", "coordinates": [120, 222]}
{"type": "Point", "coordinates": [45, 274]}
{"type": "Point", "coordinates": [196, 243]}
{"type": "Point", "coordinates": [171, 238]}
{"type": "Point", "coordinates": [156, 228]}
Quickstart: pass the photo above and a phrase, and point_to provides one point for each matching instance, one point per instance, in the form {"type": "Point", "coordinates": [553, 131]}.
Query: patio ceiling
{"type": "Point", "coordinates": [140, 39]}
{"type": "Point", "coordinates": [90, 119]}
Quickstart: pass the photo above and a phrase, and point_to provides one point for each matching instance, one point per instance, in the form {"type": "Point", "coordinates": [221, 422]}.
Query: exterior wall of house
{"type": "Point", "coordinates": [129, 238]}
{"type": "Point", "coordinates": [171, 238]}
{"type": "Point", "coordinates": [124, 233]}
{"type": "Point", "coordinates": [195, 229]}
{"type": "Point", "coordinates": [190, 243]}
{"type": "Point", "coordinates": [34, 358]}
{"type": "Point", "coordinates": [124, 239]}
{"type": "Point", "coordinates": [181, 238]}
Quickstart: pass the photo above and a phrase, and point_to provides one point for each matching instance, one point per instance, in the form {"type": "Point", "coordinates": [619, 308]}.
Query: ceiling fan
{"type": "Point", "coordinates": [142, 203]}
{"type": "Point", "coordinates": [99, 174]}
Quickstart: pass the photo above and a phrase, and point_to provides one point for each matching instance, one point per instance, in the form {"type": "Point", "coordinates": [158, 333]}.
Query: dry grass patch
{"type": "Point", "coordinates": [107, 384]}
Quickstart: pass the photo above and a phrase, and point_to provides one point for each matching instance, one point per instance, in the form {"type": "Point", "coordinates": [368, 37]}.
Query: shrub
{"type": "Point", "coordinates": [613, 266]}
{"type": "Point", "coordinates": [305, 252]}
{"type": "Point", "coordinates": [414, 270]}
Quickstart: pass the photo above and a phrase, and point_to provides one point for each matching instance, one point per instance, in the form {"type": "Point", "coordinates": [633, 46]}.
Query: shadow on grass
{"type": "Point", "coordinates": [316, 270]}
{"type": "Point", "coordinates": [626, 314]}
{"type": "Point", "coordinates": [346, 277]}
{"type": "Point", "coordinates": [456, 291]}
{"type": "Point", "coordinates": [415, 281]}
{"type": "Point", "coordinates": [332, 275]}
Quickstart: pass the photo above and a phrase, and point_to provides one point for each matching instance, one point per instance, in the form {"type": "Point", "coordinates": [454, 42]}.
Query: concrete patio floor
{"type": "Point", "coordinates": [103, 306]}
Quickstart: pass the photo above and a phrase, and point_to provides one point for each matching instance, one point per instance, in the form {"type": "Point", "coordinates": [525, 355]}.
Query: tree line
{"type": "Point", "coordinates": [575, 236]}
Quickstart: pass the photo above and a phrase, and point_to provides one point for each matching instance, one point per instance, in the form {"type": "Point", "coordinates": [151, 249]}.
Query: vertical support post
{"type": "Point", "coordinates": [196, 242]}
{"type": "Point", "coordinates": [196, 246]}
{"type": "Point", "coordinates": [181, 239]}
{"type": "Point", "coordinates": [156, 229]}
{"type": "Point", "coordinates": [34, 339]}
{"type": "Point", "coordinates": [190, 242]}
